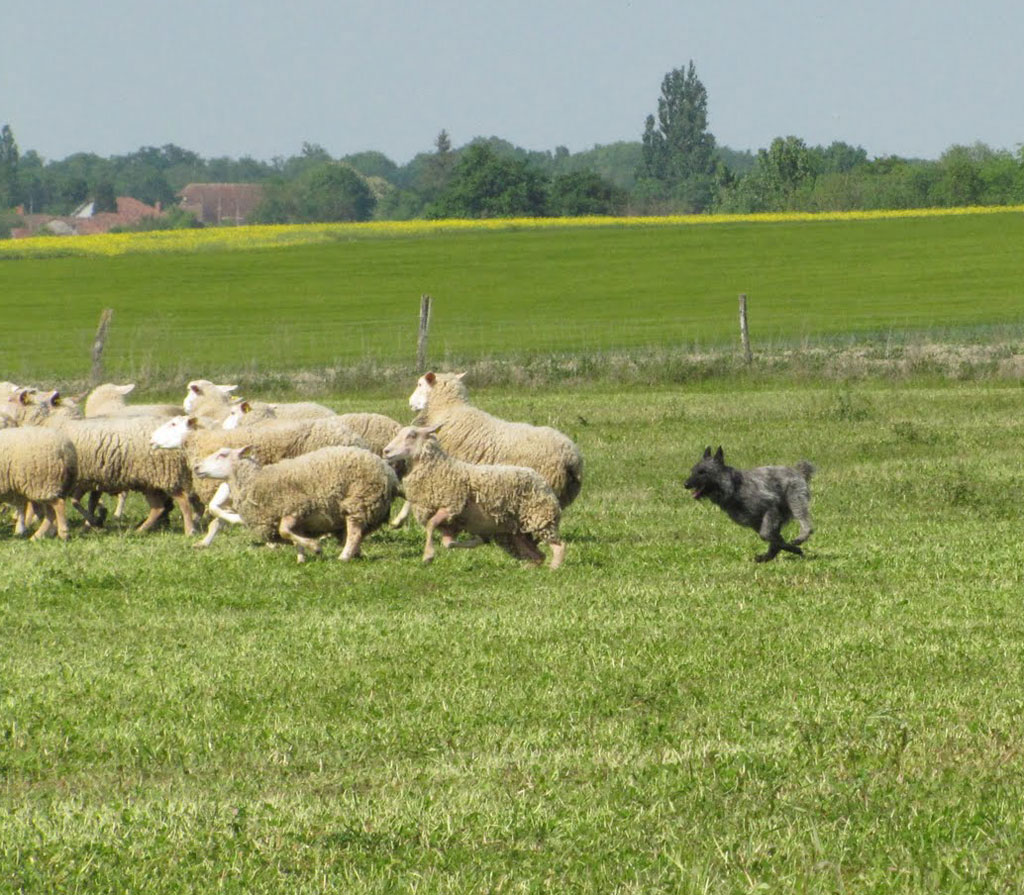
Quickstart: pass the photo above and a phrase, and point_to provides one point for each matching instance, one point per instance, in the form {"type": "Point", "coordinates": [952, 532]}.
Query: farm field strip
{"type": "Point", "coordinates": [513, 294]}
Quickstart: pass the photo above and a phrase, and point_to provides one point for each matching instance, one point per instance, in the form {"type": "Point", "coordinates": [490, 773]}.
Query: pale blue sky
{"type": "Point", "coordinates": [227, 77]}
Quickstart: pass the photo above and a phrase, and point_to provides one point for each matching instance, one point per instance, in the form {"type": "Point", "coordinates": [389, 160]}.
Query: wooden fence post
{"type": "Point", "coordinates": [744, 330]}
{"type": "Point", "coordinates": [421, 342]}
{"type": "Point", "coordinates": [98, 344]}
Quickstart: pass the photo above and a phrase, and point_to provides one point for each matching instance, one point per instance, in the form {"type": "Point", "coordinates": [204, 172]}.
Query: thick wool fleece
{"type": "Point", "coordinates": [484, 499]}
{"type": "Point", "coordinates": [35, 464]}
{"type": "Point", "coordinates": [468, 433]}
{"type": "Point", "coordinates": [322, 488]}
{"type": "Point", "coordinates": [272, 442]}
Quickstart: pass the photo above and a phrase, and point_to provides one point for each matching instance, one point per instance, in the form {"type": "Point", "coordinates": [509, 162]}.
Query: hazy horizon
{"type": "Point", "coordinates": [897, 78]}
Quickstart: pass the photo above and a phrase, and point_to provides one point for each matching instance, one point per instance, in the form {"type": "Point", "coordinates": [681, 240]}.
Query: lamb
{"type": "Point", "coordinates": [322, 492]}
{"type": "Point", "coordinates": [511, 504]}
{"type": "Point", "coordinates": [468, 433]}
{"type": "Point", "coordinates": [269, 444]}
{"type": "Point", "coordinates": [108, 400]}
{"type": "Point", "coordinates": [205, 398]}
{"type": "Point", "coordinates": [37, 466]}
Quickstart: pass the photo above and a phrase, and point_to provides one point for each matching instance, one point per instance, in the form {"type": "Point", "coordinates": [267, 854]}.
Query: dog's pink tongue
{"type": "Point", "coordinates": [697, 493]}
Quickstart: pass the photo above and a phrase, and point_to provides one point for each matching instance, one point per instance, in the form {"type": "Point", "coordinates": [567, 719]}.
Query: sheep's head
{"type": "Point", "coordinates": [199, 388]}
{"type": "Point", "coordinates": [221, 463]}
{"type": "Point", "coordinates": [431, 383]}
{"type": "Point", "coordinates": [234, 418]}
{"type": "Point", "coordinates": [409, 444]}
{"type": "Point", "coordinates": [172, 434]}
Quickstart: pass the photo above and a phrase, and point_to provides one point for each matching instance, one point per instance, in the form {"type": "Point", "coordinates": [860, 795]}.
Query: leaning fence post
{"type": "Point", "coordinates": [98, 344]}
{"type": "Point", "coordinates": [421, 342]}
{"type": "Point", "coordinates": [744, 330]}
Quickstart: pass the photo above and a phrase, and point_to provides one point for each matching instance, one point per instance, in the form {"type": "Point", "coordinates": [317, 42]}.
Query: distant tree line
{"type": "Point", "coordinates": [676, 167]}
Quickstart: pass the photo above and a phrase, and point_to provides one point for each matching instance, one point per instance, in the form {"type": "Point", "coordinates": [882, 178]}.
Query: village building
{"type": "Point", "coordinates": [85, 220]}
{"type": "Point", "coordinates": [221, 203]}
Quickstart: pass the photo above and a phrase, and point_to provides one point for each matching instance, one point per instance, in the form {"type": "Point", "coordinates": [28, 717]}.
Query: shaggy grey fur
{"type": "Point", "coordinates": [763, 499]}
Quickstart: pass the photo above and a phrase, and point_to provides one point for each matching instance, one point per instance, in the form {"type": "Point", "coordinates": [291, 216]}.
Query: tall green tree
{"type": "Point", "coordinates": [678, 150]}
{"type": "Point", "coordinates": [9, 192]}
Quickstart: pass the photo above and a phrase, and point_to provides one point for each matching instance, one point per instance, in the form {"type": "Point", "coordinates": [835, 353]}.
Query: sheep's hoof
{"type": "Point", "coordinates": [201, 545]}
{"type": "Point", "coordinates": [427, 560]}
{"type": "Point", "coordinates": [300, 557]}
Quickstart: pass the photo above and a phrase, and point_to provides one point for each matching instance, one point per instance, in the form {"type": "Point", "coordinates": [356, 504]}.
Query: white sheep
{"type": "Point", "coordinates": [476, 436]}
{"type": "Point", "coordinates": [108, 400]}
{"type": "Point", "coordinates": [114, 455]}
{"type": "Point", "coordinates": [205, 398]}
{"type": "Point", "coordinates": [270, 443]}
{"type": "Point", "coordinates": [328, 491]}
{"type": "Point", "coordinates": [512, 505]}
{"type": "Point", "coordinates": [28, 407]}
{"type": "Point", "coordinates": [376, 428]}
{"type": "Point", "coordinates": [37, 466]}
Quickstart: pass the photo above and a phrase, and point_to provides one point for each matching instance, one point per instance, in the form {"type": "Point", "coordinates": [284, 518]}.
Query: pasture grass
{"type": "Point", "coordinates": [660, 715]}
{"type": "Point", "coordinates": [513, 296]}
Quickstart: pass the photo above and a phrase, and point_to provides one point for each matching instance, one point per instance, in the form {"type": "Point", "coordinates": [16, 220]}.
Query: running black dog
{"type": "Point", "coordinates": [763, 499]}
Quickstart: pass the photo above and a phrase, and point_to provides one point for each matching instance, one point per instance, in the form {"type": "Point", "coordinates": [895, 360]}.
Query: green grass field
{"type": "Point", "coordinates": [660, 715]}
{"type": "Point", "coordinates": [512, 295]}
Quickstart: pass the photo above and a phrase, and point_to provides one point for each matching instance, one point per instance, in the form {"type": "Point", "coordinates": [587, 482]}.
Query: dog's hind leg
{"type": "Point", "coordinates": [801, 510]}
{"type": "Point", "coordinates": [771, 531]}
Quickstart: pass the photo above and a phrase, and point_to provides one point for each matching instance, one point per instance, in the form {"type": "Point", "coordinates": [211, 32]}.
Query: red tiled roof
{"type": "Point", "coordinates": [216, 203]}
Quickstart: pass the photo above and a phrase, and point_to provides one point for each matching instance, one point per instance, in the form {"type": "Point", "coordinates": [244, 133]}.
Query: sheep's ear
{"type": "Point", "coordinates": [195, 388]}
{"type": "Point", "coordinates": [430, 377]}
{"type": "Point", "coordinates": [227, 388]}
{"type": "Point", "coordinates": [22, 396]}
{"type": "Point", "coordinates": [53, 399]}
{"type": "Point", "coordinates": [125, 389]}
{"type": "Point", "coordinates": [707, 452]}
{"type": "Point", "coordinates": [460, 375]}
{"type": "Point", "coordinates": [432, 429]}
{"type": "Point", "coordinates": [719, 456]}
{"type": "Point", "coordinates": [191, 423]}
{"type": "Point", "coordinates": [245, 451]}
{"type": "Point", "coordinates": [245, 407]}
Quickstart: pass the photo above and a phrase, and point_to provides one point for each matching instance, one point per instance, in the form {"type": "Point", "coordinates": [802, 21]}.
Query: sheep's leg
{"type": "Point", "coordinates": [119, 508]}
{"type": "Point", "coordinates": [20, 525]}
{"type": "Point", "coordinates": [157, 508]}
{"type": "Point", "coordinates": [353, 539]}
{"type": "Point", "coordinates": [286, 529]}
{"type": "Point", "coordinates": [47, 525]}
{"type": "Point", "coordinates": [211, 533]}
{"type": "Point", "coordinates": [33, 514]}
{"type": "Point", "coordinates": [220, 515]}
{"type": "Point", "coordinates": [217, 506]}
{"type": "Point", "coordinates": [557, 553]}
{"type": "Point", "coordinates": [96, 510]}
{"type": "Point", "coordinates": [83, 511]}
{"type": "Point", "coordinates": [182, 499]}
{"type": "Point", "coordinates": [528, 548]}
{"type": "Point", "coordinates": [403, 514]}
{"type": "Point", "coordinates": [448, 539]}
{"type": "Point", "coordinates": [439, 518]}
{"type": "Point", "coordinates": [60, 513]}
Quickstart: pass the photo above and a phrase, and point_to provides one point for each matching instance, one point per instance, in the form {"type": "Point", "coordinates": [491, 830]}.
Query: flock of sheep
{"type": "Point", "coordinates": [291, 472]}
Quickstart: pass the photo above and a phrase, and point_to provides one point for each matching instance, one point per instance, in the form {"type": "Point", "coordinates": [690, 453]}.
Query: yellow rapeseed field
{"type": "Point", "coordinates": [273, 236]}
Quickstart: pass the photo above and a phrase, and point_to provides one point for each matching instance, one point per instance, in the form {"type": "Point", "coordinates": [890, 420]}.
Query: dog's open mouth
{"type": "Point", "coordinates": [698, 493]}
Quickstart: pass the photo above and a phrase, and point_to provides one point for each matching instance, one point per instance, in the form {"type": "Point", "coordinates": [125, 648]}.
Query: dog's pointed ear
{"type": "Point", "coordinates": [707, 452]}
{"type": "Point", "coordinates": [719, 456]}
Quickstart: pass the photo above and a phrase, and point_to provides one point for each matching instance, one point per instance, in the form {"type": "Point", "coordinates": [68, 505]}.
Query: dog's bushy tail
{"type": "Point", "coordinates": [806, 469]}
